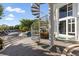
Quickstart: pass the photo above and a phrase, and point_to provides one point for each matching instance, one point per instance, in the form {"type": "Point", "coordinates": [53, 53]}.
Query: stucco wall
{"type": "Point", "coordinates": [56, 16]}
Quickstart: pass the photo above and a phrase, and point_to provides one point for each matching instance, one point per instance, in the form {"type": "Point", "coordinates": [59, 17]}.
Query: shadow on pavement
{"type": "Point", "coordinates": [21, 50]}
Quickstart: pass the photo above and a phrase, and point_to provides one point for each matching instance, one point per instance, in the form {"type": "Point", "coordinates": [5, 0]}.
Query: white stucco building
{"type": "Point", "coordinates": [66, 21]}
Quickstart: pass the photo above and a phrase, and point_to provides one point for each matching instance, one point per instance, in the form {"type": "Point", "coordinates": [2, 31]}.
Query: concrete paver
{"type": "Point", "coordinates": [25, 47]}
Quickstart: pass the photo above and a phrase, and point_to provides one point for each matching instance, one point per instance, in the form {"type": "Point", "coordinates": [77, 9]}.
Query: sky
{"type": "Point", "coordinates": [14, 12]}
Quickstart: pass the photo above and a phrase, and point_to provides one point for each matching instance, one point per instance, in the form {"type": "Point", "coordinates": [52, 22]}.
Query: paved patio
{"type": "Point", "coordinates": [26, 47]}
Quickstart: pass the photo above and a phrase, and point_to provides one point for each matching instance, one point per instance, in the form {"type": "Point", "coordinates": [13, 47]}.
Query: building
{"type": "Point", "coordinates": [65, 18]}
{"type": "Point", "coordinates": [63, 21]}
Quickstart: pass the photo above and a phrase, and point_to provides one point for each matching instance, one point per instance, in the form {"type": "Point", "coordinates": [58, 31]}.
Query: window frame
{"type": "Point", "coordinates": [67, 6]}
{"type": "Point", "coordinates": [71, 23]}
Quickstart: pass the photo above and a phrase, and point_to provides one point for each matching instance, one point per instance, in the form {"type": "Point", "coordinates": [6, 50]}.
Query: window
{"type": "Point", "coordinates": [62, 27]}
{"type": "Point", "coordinates": [65, 11]}
{"type": "Point", "coordinates": [71, 26]}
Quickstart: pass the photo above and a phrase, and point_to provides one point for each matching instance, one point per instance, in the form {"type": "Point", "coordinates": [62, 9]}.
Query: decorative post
{"type": "Point", "coordinates": [51, 24]}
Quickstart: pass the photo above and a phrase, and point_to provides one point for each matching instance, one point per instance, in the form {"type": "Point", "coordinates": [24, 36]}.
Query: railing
{"type": "Point", "coordinates": [40, 25]}
{"type": "Point", "coordinates": [71, 50]}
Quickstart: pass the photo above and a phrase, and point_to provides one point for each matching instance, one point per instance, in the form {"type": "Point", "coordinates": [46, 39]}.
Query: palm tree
{"type": "Point", "coordinates": [25, 24]}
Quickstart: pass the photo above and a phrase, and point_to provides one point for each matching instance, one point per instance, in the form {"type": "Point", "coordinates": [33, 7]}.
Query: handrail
{"type": "Point", "coordinates": [69, 48]}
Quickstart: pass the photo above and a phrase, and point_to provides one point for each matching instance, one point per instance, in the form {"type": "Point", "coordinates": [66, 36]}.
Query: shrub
{"type": "Point", "coordinates": [1, 43]}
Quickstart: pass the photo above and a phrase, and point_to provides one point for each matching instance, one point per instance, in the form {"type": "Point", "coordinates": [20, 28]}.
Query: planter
{"type": "Point", "coordinates": [44, 35]}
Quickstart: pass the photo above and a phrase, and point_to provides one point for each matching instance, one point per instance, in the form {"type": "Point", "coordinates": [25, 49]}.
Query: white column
{"type": "Point", "coordinates": [57, 19]}
{"type": "Point", "coordinates": [51, 24]}
{"type": "Point", "coordinates": [66, 29]}
{"type": "Point", "coordinates": [76, 29]}
{"type": "Point", "coordinates": [67, 25]}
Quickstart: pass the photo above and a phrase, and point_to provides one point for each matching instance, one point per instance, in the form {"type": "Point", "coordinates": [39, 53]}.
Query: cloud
{"type": "Point", "coordinates": [9, 18]}
{"type": "Point", "coordinates": [18, 10]}
{"type": "Point", "coordinates": [11, 15]}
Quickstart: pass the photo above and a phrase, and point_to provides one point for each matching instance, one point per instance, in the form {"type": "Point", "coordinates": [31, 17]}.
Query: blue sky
{"type": "Point", "coordinates": [16, 11]}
